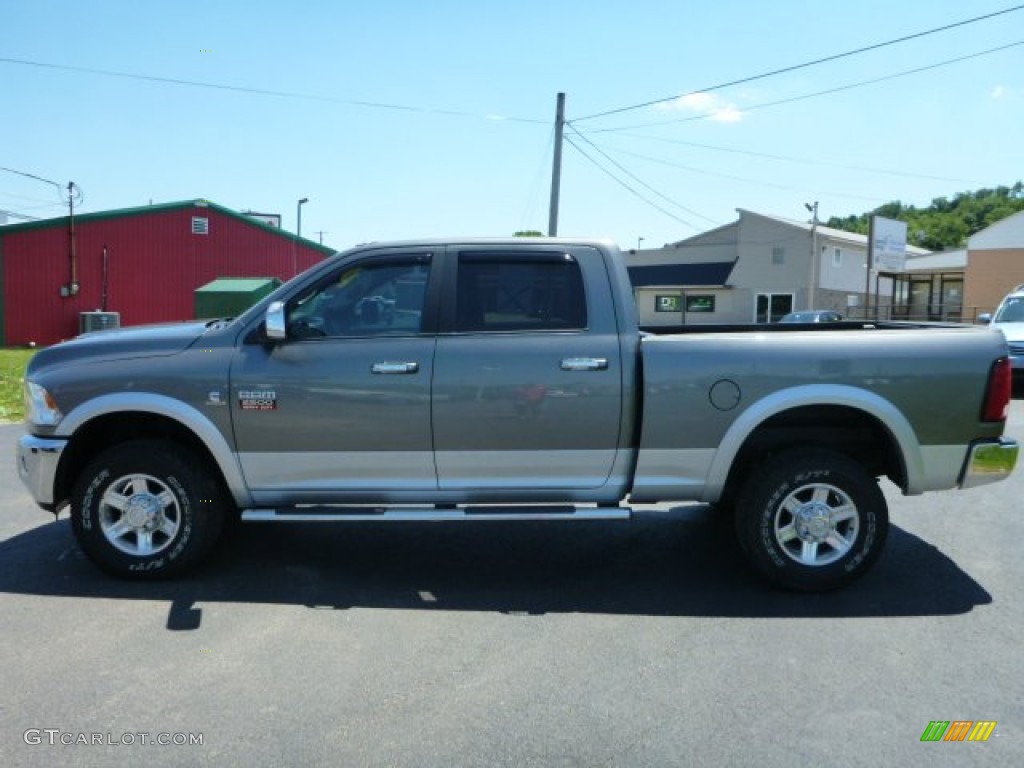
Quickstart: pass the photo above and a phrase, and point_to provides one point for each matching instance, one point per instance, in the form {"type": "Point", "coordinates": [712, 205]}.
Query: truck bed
{"type": "Point", "coordinates": [845, 325]}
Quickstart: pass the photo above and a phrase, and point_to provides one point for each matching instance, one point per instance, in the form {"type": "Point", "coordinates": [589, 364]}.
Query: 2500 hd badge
{"type": "Point", "coordinates": [257, 399]}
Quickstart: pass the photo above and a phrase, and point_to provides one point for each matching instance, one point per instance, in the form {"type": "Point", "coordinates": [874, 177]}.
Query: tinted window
{"type": "Point", "coordinates": [369, 299]}
{"type": "Point", "coordinates": [516, 295]}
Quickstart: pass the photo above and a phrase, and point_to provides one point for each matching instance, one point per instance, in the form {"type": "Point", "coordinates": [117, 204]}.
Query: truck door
{"type": "Point", "coordinates": [527, 376]}
{"type": "Point", "coordinates": [341, 409]}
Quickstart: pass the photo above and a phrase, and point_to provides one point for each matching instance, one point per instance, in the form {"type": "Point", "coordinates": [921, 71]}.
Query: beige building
{"type": "Point", "coordinates": [995, 263]}
{"type": "Point", "coordinates": [755, 270]}
{"type": "Point", "coordinates": [931, 288]}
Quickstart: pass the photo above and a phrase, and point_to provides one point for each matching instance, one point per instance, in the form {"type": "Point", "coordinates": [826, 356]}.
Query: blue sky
{"type": "Point", "coordinates": [381, 172]}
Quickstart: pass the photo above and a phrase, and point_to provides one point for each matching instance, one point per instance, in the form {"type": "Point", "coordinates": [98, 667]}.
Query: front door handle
{"type": "Point", "coordinates": [585, 364]}
{"type": "Point", "coordinates": [395, 368]}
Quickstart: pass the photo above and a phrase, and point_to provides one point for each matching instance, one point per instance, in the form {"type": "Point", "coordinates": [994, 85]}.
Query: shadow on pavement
{"type": "Point", "coordinates": [686, 565]}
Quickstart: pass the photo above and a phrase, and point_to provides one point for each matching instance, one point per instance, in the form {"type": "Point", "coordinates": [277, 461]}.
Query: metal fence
{"type": "Point", "coordinates": [948, 313]}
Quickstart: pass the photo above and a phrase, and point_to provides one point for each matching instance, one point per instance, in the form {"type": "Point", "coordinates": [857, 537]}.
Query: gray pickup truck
{"type": "Point", "coordinates": [503, 380]}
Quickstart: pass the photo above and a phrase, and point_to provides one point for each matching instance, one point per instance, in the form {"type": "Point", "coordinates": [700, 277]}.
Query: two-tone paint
{"type": "Point", "coordinates": [432, 417]}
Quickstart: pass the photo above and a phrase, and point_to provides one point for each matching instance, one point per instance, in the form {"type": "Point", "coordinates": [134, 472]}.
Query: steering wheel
{"type": "Point", "coordinates": [338, 319]}
{"type": "Point", "coordinates": [303, 329]}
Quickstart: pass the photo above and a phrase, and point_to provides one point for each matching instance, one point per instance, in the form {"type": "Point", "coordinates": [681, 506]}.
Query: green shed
{"type": "Point", "coordinates": [231, 296]}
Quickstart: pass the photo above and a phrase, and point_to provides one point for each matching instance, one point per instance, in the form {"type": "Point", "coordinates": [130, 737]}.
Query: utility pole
{"type": "Point", "coordinates": [556, 167]}
{"type": "Point", "coordinates": [73, 285]}
{"type": "Point", "coordinates": [320, 233]}
{"type": "Point", "coordinates": [814, 253]}
{"type": "Point", "coordinates": [868, 265]}
{"type": "Point", "coordinates": [70, 288]}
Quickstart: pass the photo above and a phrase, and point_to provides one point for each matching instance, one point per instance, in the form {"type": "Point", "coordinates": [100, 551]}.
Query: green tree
{"type": "Point", "coordinates": [529, 233]}
{"type": "Point", "coordinates": [948, 221]}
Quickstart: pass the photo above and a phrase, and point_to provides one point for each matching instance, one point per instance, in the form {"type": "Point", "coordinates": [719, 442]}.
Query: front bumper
{"type": "Point", "coordinates": [989, 461]}
{"type": "Point", "coordinates": [1017, 357]}
{"type": "Point", "coordinates": [37, 459]}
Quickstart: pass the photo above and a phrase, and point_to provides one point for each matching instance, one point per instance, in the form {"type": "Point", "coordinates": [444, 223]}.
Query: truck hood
{"type": "Point", "coordinates": [122, 343]}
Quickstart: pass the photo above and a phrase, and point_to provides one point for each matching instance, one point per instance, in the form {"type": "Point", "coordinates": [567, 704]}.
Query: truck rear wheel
{"type": "Point", "coordinates": [812, 520]}
{"type": "Point", "coordinates": [146, 509]}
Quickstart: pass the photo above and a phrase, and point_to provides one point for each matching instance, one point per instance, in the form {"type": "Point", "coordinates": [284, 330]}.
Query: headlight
{"type": "Point", "coordinates": [40, 407]}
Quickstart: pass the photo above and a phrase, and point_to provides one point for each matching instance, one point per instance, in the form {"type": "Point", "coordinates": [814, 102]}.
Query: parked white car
{"type": "Point", "coordinates": [1009, 318]}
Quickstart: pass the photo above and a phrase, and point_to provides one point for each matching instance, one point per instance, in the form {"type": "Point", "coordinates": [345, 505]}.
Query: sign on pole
{"type": "Point", "coordinates": [888, 244]}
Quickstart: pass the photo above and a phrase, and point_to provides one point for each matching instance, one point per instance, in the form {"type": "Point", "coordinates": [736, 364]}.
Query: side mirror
{"type": "Point", "coordinates": [276, 321]}
{"type": "Point", "coordinates": [985, 318]}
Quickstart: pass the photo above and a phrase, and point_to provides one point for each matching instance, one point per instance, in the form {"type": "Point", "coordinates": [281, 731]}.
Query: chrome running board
{"type": "Point", "coordinates": [341, 514]}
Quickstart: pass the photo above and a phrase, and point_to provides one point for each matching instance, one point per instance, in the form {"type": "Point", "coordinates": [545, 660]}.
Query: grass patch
{"type": "Point", "coordinates": [12, 377]}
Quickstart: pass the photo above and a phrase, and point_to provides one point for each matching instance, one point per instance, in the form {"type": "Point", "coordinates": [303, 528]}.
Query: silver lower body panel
{"type": "Point", "coordinates": [433, 514]}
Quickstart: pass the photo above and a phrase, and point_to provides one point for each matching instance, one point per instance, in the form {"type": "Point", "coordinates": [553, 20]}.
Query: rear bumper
{"type": "Point", "coordinates": [989, 461]}
{"type": "Point", "coordinates": [37, 466]}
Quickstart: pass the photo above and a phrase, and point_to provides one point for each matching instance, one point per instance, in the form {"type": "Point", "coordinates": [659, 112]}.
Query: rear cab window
{"type": "Point", "coordinates": [517, 292]}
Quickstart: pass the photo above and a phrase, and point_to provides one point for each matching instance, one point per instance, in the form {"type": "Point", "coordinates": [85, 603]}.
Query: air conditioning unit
{"type": "Point", "coordinates": [98, 321]}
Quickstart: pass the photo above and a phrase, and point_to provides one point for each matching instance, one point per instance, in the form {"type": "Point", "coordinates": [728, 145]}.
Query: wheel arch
{"type": "Point", "coordinates": [113, 419]}
{"type": "Point", "coordinates": [852, 421]}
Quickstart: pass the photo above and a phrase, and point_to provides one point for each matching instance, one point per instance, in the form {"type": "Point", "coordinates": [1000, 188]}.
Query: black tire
{"type": "Point", "coordinates": [146, 509]}
{"type": "Point", "coordinates": [811, 520]}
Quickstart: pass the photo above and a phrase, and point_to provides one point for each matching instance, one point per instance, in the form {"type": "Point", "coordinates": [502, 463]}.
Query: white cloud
{"type": "Point", "coordinates": [998, 92]}
{"type": "Point", "coordinates": [727, 114]}
{"type": "Point", "coordinates": [704, 104]}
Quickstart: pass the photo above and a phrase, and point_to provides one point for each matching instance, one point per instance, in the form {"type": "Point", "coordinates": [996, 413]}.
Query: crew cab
{"type": "Point", "coordinates": [503, 380]}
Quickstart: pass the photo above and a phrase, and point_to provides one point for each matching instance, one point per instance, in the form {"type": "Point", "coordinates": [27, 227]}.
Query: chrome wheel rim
{"type": "Point", "coordinates": [816, 524]}
{"type": "Point", "coordinates": [139, 515]}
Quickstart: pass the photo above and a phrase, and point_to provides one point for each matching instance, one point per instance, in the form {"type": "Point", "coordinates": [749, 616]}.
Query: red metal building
{"type": "Point", "coordinates": [144, 263]}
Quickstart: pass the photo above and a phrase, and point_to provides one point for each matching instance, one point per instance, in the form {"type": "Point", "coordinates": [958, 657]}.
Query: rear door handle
{"type": "Point", "coordinates": [395, 368]}
{"type": "Point", "coordinates": [585, 364]}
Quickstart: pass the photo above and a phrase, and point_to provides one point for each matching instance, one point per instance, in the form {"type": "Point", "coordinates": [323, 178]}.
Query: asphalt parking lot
{"type": "Point", "coordinates": [590, 644]}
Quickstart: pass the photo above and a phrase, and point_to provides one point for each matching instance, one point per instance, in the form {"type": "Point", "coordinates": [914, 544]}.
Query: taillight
{"type": "Point", "coordinates": [1000, 389]}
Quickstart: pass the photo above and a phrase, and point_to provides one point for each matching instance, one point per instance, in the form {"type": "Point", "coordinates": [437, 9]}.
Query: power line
{"type": "Point", "coordinates": [17, 215]}
{"type": "Point", "coordinates": [40, 206]}
{"type": "Point", "coordinates": [806, 64]}
{"type": "Point", "coordinates": [538, 180]}
{"type": "Point", "coordinates": [31, 176]}
{"type": "Point", "coordinates": [639, 180]}
{"type": "Point", "coordinates": [626, 186]}
{"type": "Point", "coordinates": [790, 159]}
{"type": "Point", "coordinates": [827, 91]}
{"type": "Point", "coordinates": [269, 92]}
{"type": "Point", "coordinates": [30, 199]}
{"type": "Point", "coordinates": [745, 180]}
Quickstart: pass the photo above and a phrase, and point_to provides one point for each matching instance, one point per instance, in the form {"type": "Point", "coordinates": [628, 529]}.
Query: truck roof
{"type": "Point", "coordinates": [517, 241]}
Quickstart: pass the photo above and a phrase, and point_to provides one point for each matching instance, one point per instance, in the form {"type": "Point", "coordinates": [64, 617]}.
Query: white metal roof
{"type": "Point", "coordinates": [1005, 233]}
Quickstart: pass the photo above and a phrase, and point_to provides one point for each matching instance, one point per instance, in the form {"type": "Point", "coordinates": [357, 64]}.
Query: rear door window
{"type": "Point", "coordinates": [512, 292]}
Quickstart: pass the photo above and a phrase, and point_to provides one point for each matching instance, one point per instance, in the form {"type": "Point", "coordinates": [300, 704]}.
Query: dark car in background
{"type": "Point", "coordinates": [812, 316]}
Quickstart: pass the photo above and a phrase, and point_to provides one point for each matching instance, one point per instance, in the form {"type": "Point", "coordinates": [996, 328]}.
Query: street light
{"type": "Point", "coordinates": [638, 241]}
{"type": "Point", "coordinates": [813, 210]}
{"type": "Point", "coordinates": [298, 208]}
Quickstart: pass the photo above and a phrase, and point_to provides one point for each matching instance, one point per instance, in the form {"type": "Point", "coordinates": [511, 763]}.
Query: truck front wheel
{"type": "Point", "coordinates": [146, 509]}
{"type": "Point", "coordinates": [812, 520]}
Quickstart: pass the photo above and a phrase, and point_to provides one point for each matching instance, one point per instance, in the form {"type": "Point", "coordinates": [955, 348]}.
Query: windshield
{"type": "Point", "coordinates": [1012, 311]}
